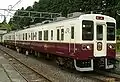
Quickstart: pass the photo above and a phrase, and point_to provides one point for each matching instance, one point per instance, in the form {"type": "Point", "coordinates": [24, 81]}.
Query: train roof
{"type": "Point", "coordinates": [75, 15]}
{"type": "Point", "coordinates": [94, 16]}
{"type": "Point", "coordinates": [80, 16]}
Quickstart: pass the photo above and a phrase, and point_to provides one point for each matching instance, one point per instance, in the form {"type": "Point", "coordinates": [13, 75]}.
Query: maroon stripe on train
{"type": "Point", "coordinates": [61, 49]}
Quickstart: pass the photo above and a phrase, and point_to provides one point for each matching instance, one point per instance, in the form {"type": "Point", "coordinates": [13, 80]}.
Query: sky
{"type": "Point", "coordinates": [7, 4]}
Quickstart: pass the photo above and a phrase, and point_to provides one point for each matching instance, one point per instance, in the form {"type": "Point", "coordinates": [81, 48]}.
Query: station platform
{"type": "Point", "coordinates": [8, 73]}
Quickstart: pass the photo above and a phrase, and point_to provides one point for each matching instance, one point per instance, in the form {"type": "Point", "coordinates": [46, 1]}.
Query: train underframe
{"type": "Point", "coordinates": [79, 65]}
{"type": "Point", "coordinates": [86, 65]}
{"type": "Point", "coordinates": [93, 64]}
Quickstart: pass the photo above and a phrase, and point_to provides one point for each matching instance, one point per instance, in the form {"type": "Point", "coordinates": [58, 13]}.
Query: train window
{"type": "Point", "coordinates": [46, 35]}
{"type": "Point", "coordinates": [26, 36]}
{"type": "Point", "coordinates": [23, 36]}
{"type": "Point", "coordinates": [35, 36]}
{"type": "Point", "coordinates": [72, 32]}
{"type": "Point", "coordinates": [29, 35]}
{"type": "Point", "coordinates": [13, 37]}
{"type": "Point", "coordinates": [87, 30]}
{"type": "Point", "coordinates": [58, 34]}
{"type": "Point", "coordinates": [110, 31]}
{"type": "Point", "coordinates": [32, 36]}
{"type": "Point", "coordinates": [62, 34]}
{"type": "Point", "coordinates": [99, 32]}
{"type": "Point", "coordinates": [40, 35]}
{"type": "Point", "coordinates": [51, 34]}
{"type": "Point", "coordinates": [19, 36]}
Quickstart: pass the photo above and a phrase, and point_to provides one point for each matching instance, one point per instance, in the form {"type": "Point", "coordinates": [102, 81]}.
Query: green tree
{"type": "Point", "coordinates": [107, 7]}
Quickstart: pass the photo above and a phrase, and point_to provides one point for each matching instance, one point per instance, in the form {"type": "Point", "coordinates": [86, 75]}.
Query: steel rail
{"type": "Point", "coordinates": [115, 76]}
{"type": "Point", "coordinates": [25, 66]}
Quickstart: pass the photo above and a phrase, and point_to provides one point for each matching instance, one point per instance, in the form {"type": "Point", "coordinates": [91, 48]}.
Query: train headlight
{"type": "Point", "coordinates": [86, 47]}
{"type": "Point", "coordinates": [111, 46]}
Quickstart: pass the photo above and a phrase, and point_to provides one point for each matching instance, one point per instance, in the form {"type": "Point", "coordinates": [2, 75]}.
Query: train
{"type": "Point", "coordinates": [85, 42]}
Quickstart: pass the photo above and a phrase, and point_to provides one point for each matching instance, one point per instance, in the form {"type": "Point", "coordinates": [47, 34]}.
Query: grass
{"type": "Point", "coordinates": [118, 46]}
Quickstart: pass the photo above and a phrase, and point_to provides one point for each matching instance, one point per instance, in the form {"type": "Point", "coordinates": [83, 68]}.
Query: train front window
{"type": "Point", "coordinates": [87, 30]}
{"type": "Point", "coordinates": [110, 31]}
{"type": "Point", "coordinates": [99, 32]}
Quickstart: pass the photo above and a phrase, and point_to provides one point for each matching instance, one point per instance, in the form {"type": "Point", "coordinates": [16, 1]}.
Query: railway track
{"type": "Point", "coordinates": [34, 76]}
{"type": "Point", "coordinates": [28, 73]}
{"type": "Point", "coordinates": [103, 77]}
{"type": "Point", "coordinates": [100, 76]}
{"type": "Point", "coordinates": [110, 76]}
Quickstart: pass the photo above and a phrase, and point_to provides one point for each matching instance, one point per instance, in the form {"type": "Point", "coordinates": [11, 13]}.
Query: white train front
{"type": "Point", "coordinates": [85, 43]}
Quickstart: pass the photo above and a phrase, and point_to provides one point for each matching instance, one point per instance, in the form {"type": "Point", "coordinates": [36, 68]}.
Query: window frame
{"type": "Point", "coordinates": [98, 34]}
{"type": "Point", "coordinates": [111, 24]}
{"type": "Point", "coordinates": [72, 32]}
{"type": "Point", "coordinates": [51, 34]}
{"type": "Point", "coordinates": [25, 36]}
{"type": "Point", "coordinates": [62, 34]}
{"type": "Point", "coordinates": [58, 34]}
{"type": "Point", "coordinates": [87, 24]}
{"type": "Point", "coordinates": [45, 34]}
{"type": "Point", "coordinates": [40, 35]}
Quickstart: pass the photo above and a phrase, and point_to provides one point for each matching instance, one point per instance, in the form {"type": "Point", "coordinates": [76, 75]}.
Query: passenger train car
{"type": "Point", "coordinates": [85, 42]}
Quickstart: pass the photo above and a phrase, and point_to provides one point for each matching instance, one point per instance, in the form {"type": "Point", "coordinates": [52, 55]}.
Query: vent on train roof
{"type": "Point", "coordinates": [75, 14]}
{"type": "Point", "coordinates": [38, 24]}
{"type": "Point", "coordinates": [31, 26]}
{"type": "Point", "coordinates": [59, 18]}
{"type": "Point", "coordinates": [46, 21]}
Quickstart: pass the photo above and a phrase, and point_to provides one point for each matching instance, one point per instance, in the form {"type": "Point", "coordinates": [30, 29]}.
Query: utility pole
{"type": "Point", "coordinates": [10, 7]}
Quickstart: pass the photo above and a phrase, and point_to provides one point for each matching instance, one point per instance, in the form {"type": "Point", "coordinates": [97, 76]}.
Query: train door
{"type": "Point", "coordinates": [60, 39]}
{"type": "Point", "coordinates": [60, 33]}
{"type": "Point", "coordinates": [100, 40]}
{"type": "Point", "coordinates": [72, 41]}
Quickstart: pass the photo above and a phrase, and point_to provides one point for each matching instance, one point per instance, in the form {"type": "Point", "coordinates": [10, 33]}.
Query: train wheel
{"type": "Point", "coordinates": [6, 46]}
{"type": "Point", "coordinates": [48, 57]}
{"type": "Point", "coordinates": [22, 50]}
{"type": "Point", "coordinates": [26, 52]}
{"type": "Point", "coordinates": [18, 50]}
{"type": "Point", "coordinates": [65, 62]}
{"type": "Point", "coordinates": [36, 53]}
{"type": "Point", "coordinates": [60, 61]}
{"type": "Point", "coordinates": [39, 55]}
{"type": "Point", "coordinates": [31, 52]}
{"type": "Point", "coordinates": [69, 63]}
